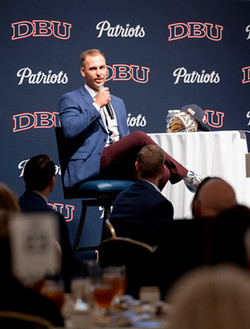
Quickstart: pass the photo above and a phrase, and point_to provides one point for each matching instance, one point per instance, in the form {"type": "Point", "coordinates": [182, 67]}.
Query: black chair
{"type": "Point", "coordinates": [92, 193]}
{"type": "Point", "coordinates": [18, 320]}
{"type": "Point", "coordinates": [133, 254]}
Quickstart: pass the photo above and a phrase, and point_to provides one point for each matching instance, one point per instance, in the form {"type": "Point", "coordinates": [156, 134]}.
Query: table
{"type": "Point", "coordinates": [83, 320]}
{"type": "Point", "coordinates": [211, 153]}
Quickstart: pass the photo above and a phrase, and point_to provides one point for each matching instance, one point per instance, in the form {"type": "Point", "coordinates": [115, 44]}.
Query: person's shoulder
{"type": "Point", "coordinates": [116, 99]}
{"type": "Point", "coordinates": [31, 201]}
{"type": "Point", "coordinates": [73, 92]}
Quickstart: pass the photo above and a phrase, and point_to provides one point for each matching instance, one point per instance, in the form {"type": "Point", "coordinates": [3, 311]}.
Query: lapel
{"type": "Point", "coordinates": [89, 100]}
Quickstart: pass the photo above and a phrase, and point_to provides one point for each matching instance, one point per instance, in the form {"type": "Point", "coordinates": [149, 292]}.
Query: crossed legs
{"type": "Point", "coordinates": [118, 160]}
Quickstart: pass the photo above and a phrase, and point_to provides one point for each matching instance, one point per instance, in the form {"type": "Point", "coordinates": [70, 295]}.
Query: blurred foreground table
{"type": "Point", "coordinates": [140, 316]}
{"type": "Point", "coordinates": [219, 153]}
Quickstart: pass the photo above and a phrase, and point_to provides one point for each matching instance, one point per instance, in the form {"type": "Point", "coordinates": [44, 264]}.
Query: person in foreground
{"type": "Point", "coordinates": [183, 242]}
{"type": "Point", "coordinates": [94, 124]}
{"type": "Point", "coordinates": [8, 199]}
{"type": "Point", "coordinates": [217, 297]}
{"type": "Point", "coordinates": [212, 196]}
{"type": "Point", "coordinates": [16, 298]}
{"type": "Point", "coordinates": [140, 211]}
{"type": "Point", "coordinates": [39, 177]}
{"type": "Point", "coordinates": [226, 237]}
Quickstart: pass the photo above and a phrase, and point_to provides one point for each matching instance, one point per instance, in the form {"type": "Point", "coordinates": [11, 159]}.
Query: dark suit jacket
{"type": "Point", "coordinates": [32, 202]}
{"type": "Point", "coordinates": [140, 211]}
{"type": "Point", "coordinates": [182, 247]}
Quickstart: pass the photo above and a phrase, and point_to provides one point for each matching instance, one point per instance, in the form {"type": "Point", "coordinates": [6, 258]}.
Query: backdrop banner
{"type": "Point", "coordinates": [161, 55]}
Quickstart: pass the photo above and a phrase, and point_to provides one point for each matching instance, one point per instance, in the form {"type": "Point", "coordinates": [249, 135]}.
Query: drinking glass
{"type": "Point", "coordinates": [54, 290]}
{"type": "Point", "coordinates": [103, 293]}
{"type": "Point", "coordinates": [103, 296]}
{"type": "Point", "coordinates": [116, 275]}
{"type": "Point", "coordinates": [81, 294]}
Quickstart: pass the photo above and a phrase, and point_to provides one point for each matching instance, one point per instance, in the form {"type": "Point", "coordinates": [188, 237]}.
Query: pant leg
{"type": "Point", "coordinates": [118, 159]}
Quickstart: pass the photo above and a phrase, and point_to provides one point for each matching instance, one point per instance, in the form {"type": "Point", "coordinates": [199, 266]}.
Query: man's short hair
{"type": "Point", "coordinates": [90, 52]}
{"type": "Point", "coordinates": [38, 172]}
{"type": "Point", "coordinates": [150, 160]}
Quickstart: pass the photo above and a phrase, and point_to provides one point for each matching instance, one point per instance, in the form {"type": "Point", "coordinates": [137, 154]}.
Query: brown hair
{"type": "Point", "coordinates": [8, 199]}
{"type": "Point", "coordinates": [150, 160]}
{"type": "Point", "coordinates": [90, 52]}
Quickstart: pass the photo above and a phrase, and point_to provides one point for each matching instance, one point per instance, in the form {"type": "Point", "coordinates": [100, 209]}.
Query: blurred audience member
{"type": "Point", "coordinates": [217, 298]}
{"type": "Point", "coordinates": [226, 237]}
{"type": "Point", "coordinates": [39, 177]}
{"type": "Point", "coordinates": [213, 195]}
{"type": "Point", "coordinates": [183, 243]}
{"type": "Point", "coordinates": [14, 296]}
{"type": "Point", "coordinates": [140, 211]}
{"type": "Point", "coordinates": [8, 199]}
{"type": "Point", "coordinates": [247, 245]}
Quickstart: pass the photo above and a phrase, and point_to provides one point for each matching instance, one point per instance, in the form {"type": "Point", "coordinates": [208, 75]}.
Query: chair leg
{"type": "Point", "coordinates": [80, 228]}
{"type": "Point", "coordinates": [107, 212]}
{"type": "Point", "coordinates": [106, 216]}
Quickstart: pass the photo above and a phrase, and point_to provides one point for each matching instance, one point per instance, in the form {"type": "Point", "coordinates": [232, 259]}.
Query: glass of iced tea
{"type": "Point", "coordinates": [116, 275]}
{"type": "Point", "coordinates": [55, 291]}
{"type": "Point", "coordinates": [103, 294]}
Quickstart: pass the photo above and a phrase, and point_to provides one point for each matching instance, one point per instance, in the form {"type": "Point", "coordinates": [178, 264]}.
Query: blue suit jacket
{"type": "Point", "coordinates": [86, 134]}
{"type": "Point", "coordinates": [140, 211]}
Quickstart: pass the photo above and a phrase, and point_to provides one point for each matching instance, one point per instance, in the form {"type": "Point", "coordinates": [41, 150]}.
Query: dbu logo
{"type": "Point", "coordinates": [25, 121]}
{"type": "Point", "coordinates": [195, 30]}
{"type": "Point", "coordinates": [68, 212]}
{"type": "Point", "coordinates": [40, 28]}
{"type": "Point", "coordinates": [124, 72]}
{"type": "Point", "coordinates": [214, 118]}
{"type": "Point", "coordinates": [246, 74]}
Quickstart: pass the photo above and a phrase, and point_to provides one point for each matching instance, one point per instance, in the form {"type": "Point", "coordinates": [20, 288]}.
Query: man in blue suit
{"type": "Point", "coordinates": [94, 123]}
{"type": "Point", "coordinates": [140, 211]}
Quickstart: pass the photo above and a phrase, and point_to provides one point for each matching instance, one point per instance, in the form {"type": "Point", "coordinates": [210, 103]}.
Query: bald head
{"type": "Point", "coordinates": [214, 196]}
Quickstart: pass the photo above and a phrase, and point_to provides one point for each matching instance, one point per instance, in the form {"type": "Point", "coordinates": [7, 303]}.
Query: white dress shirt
{"type": "Point", "coordinates": [111, 125]}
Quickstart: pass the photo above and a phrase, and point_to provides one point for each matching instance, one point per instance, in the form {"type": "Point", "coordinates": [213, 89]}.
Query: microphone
{"type": "Point", "coordinates": [109, 108]}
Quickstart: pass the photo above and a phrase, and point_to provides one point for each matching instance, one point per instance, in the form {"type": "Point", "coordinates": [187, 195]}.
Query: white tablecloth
{"type": "Point", "coordinates": [219, 153]}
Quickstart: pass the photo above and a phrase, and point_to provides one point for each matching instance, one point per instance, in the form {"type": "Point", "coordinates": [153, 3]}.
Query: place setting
{"type": "Point", "coordinates": [99, 300]}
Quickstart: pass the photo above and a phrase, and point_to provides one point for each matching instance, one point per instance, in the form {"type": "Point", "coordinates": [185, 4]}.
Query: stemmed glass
{"type": "Point", "coordinates": [55, 291]}
{"type": "Point", "coordinates": [103, 295]}
{"type": "Point", "coordinates": [108, 289]}
{"type": "Point", "coordinates": [117, 276]}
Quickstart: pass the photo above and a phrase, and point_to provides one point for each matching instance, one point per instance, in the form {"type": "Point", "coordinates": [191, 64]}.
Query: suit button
{"type": "Point", "coordinates": [105, 140]}
{"type": "Point", "coordinates": [99, 153]}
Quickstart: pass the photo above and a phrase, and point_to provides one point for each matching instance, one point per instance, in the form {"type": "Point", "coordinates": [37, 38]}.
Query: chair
{"type": "Point", "coordinates": [93, 192]}
{"type": "Point", "coordinates": [133, 254]}
{"type": "Point", "coordinates": [18, 320]}
{"type": "Point", "coordinates": [111, 233]}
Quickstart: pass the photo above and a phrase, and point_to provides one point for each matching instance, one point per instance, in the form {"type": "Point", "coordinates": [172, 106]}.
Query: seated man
{"type": "Point", "coordinates": [39, 177]}
{"type": "Point", "coordinates": [98, 144]}
{"type": "Point", "coordinates": [140, 211]}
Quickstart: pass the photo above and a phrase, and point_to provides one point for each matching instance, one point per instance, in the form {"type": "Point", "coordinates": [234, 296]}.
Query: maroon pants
{"type": "Point", "coordinates": [118, 160]}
